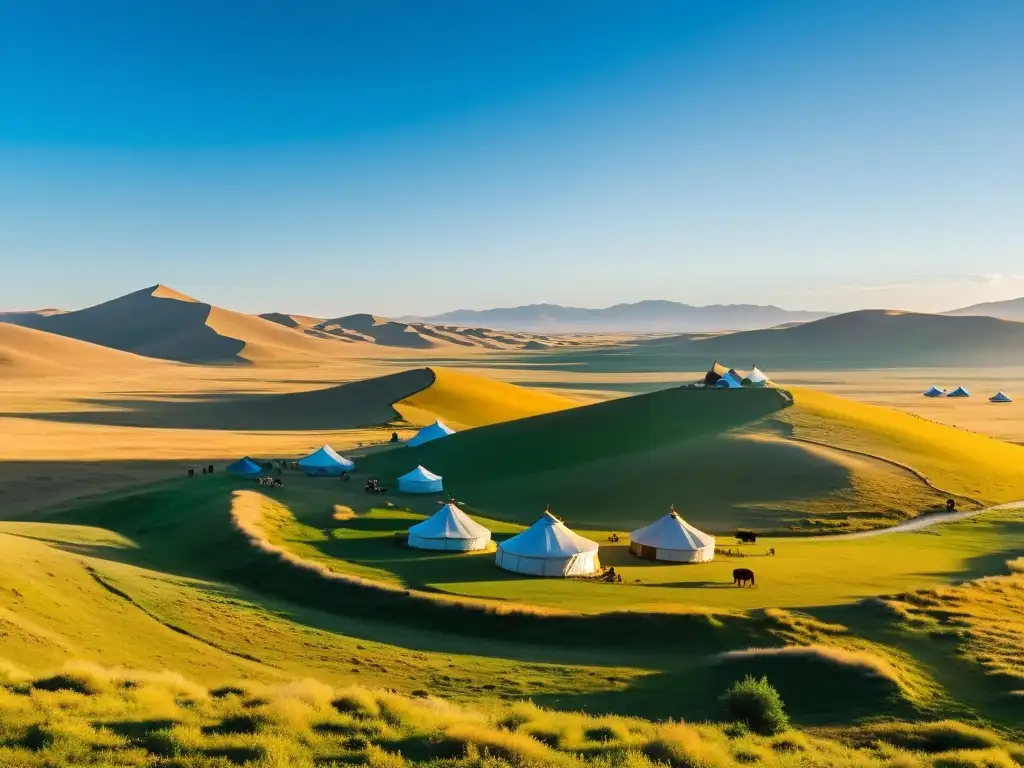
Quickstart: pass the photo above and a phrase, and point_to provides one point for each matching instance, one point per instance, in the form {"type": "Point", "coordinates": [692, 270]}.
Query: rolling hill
{"type": "Point", "coordinates": [643, 316]}
{"type": "Point", "coordinates": [162, 323]}
{"type": "Point", "coordinates": [29, 353]}
{"type": "Point", "coordinates": [463, 400]}
{"type": "Point", "coordinates": [867, 338]}
{"type": "Point", "coordinates": [1013, 309]}
{"type": "Point", "coordinates": [724, 458]}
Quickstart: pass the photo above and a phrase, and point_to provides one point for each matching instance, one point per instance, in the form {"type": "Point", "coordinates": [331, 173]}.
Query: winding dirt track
{"type": "Point", "coordinates": [924, 521]}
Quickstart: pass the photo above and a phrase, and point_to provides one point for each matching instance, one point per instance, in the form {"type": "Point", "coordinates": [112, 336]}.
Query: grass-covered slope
{"type": "Point", "coordinates": [954, 460]}
{"type": "Point", "coordinates": [464, 400]}
{"type": "Point", "coordinates": [88, 715]}
{"type": "Point", "coordinates": [717, 455]}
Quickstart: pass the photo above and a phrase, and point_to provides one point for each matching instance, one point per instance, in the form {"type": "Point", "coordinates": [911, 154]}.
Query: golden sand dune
{"type": "Point", "coordinates": [160, 322]}
{"type": "Point", "coordinates": [28, 353]}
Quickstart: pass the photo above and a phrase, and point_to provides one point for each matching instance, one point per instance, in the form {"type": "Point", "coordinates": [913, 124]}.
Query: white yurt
{"type": "Point", "coordinates": [1000, 397]}
{"type": "Point", "coordinates": [326, 462]}
{"type": "Point", "coordinates": [449, 529]}
{"type": "Point", "coordinates": [420, 480]}
{"type": "Point", "coordinates": [757, 378]}
{"type": "Point", "coordinates": [548, 548]}
{"type": "Point", "coordinates": [672, 538]}
{"type": "Point", "coordinates": [435, 431]}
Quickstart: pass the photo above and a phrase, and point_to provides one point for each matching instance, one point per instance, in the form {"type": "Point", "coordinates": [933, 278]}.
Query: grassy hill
{"type": "Point", "coordinates": [723, 458]}
{"type": "Point", "coordinates": [160, 322]}
{"type": "Point", "coordinates": [464, 400]}
{"type": "Point", "coordinates": [26, 353]}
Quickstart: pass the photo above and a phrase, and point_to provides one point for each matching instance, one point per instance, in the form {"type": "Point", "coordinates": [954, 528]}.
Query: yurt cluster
{"type": "Point", "coordinates": [550, 548]}
{"type": "Point", "coordinates": [721, 377]}
{"type": "Point", "coordinates": [546, 548]}
{"type": "Point", "coordinates": [962, 392]}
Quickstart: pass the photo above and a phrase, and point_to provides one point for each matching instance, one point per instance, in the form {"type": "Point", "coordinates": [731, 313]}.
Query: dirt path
{"type": "Point", "coordinates": [923, 521]}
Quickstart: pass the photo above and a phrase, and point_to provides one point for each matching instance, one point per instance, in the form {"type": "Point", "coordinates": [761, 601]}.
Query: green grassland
{"type": "Point", "coordinates": [160, 579]}
{"type": "Point", "coordinates": [867, 639]}
{"type": "Point", "coordinates": [724, 458]}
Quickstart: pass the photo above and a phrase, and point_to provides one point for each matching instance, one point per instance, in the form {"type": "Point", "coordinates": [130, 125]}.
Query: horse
{"type": "Point", "coordinates": [741, 576]}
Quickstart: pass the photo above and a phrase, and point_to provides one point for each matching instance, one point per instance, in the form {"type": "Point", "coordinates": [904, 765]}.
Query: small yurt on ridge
{"type": "Point", "coordinates": [934, 391]}
{"type": "Point", "coordinates": [420, 480]}
{"type": "Point", "coordinates": [245, 467]}
{"type": "Point", "coordinates": [731, 380]}
{"type": "Point", "coordinates": [1000, 397]}
{"type": "Point", "coordinates": [672, 539]}
{"type": "Point", "coordinates": [449, 529]}
{"type": "Point", "coordinates": [548, 548]}
{"type": "Point", "coordinates": [435, 431]}
{"type": "Point", "coordinates": [326, 462]}
{"type": "Point", "coordinates": [757, 378]}
{"type": "Point", "coordinates": [959, 392]}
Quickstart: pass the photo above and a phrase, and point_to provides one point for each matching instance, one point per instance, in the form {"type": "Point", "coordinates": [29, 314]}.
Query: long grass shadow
{"type": "Point", "coordinates": [352, 405]}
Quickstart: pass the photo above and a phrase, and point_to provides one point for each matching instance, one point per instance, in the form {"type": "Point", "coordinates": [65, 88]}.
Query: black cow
{"type": "Point", "coordinates": [740, 576]}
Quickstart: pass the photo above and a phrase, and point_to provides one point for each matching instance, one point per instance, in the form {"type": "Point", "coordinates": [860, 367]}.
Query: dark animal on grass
{"type": "Point", "coordinates": [740, 576]}
{"type": "Point", "coordinates": [746, 537]}
{"type": "Point", "coordinates": [191, 473]}
{"type": "Point", "coordinates": [950, 505]}
{"type": "Point", "coordinates": [772, 551]}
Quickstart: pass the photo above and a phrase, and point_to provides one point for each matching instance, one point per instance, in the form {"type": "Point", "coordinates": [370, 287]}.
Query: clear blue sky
{"type": "Point", "coordinates": [327, 157]}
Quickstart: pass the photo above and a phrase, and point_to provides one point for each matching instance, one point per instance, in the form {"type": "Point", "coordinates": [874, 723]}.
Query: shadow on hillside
{"type": "Point", "coordinates": [346, 406]}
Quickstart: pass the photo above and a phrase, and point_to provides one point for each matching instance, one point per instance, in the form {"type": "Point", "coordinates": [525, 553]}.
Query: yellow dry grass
{"type": "Point", "coordinates": [955, 461]}
{"type": "Point", "coordinates": [466, 400]}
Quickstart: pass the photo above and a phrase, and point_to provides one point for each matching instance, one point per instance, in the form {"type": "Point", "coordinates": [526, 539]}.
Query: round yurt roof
{"type": "Point", "coordinates": [431, 432]}
{"type": "Point", "coordinates": [548, 537]}
{"type": "Point", "coordinates": [244, 466]}
{"type": "Point", "coordinates": [1001, 397]}
{"type": "Point", "coordinates": [420, 473]}
{"type": "Point", "coordinates": [672, 532]}
{"type": "Point", "coordinates": [325, 456]}
{"type": "Point", "coordinates": [449, 522]}
{"type": "Point", "coordinates": [756, 376]}
{"type": "Point", "coordinates": [959, 392]}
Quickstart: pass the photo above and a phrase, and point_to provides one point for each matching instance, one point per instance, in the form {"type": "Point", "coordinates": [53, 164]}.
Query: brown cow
{"type": "Point", "coordinates": [742, 575]}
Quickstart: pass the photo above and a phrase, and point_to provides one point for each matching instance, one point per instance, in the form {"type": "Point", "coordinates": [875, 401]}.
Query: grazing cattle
{"type": "Point", "coordinates": [747, 537]}
{"type": "Point", "coordinates": [741, 576]}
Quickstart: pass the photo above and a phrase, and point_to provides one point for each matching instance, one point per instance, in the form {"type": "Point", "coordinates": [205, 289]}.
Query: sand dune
{"type": "Point", "coordinates": [28, 353]}
{"type": "Point", "coordinates": [160, 322]}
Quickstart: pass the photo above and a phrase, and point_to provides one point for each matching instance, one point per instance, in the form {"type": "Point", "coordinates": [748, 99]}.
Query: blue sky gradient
{"type": "Point", "coordinates": [400, 158]}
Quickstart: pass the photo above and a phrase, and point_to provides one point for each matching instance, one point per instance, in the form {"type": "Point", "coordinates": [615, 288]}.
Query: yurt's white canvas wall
{"type": "Point", "coordinates": [435, 431]}
{"type": "Point", "coordinates": [420, 480]}
{"type": "Point", "coordinates": [449, 529]}
{"type": "Point", "coordinates": [672, 539]}
{"type": "Point", "coordinates": [326, 461]}
{"type": "Point", "coordinates": [548, 548]}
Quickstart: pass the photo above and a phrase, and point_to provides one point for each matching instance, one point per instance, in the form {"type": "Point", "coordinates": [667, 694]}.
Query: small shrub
{"type": "Point", "coordinates": [756, 704]}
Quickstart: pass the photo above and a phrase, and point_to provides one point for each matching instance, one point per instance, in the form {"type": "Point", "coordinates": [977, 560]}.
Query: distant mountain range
{"type": "Point", "coordinates": [641, 317]}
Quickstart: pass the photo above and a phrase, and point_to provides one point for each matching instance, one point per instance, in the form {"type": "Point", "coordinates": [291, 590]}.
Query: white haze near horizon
{"type": "Point", "coordinates": [926, 294]}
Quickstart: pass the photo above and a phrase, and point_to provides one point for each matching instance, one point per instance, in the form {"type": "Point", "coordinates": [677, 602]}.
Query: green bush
{"type": "Point", "coordinates": [756, 704]}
